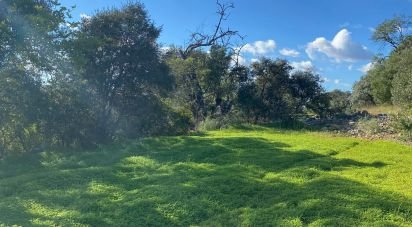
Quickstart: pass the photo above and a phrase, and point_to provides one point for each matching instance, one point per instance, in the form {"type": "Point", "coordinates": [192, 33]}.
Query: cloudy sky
{"type": "Point", "coordinates": [329, 36]}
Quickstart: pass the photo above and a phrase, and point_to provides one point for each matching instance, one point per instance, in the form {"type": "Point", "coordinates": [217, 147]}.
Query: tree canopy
{"type": "Point", "coordinates": [105, 78]}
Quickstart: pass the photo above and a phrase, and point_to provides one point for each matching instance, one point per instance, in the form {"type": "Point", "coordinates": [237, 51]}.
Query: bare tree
{"type": "Point", "coordinates": [220, 36]}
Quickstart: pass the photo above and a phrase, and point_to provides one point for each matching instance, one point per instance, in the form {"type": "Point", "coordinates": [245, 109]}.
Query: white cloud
{"type": "Point", "coordinates": [84, 16]}
{"type": "Point", "coordinates": [344, 25]}
{"type": "Point", "coordinates": [337, 82]}
{"type": "Point", "coordinates": [341, 48]}
{"type": "Point", "coordinates": [326, 80]}
{"type": "Point", "coordinates": [165, 49]}
{"type": "Point", "coordinates": [367, 67]}
{"type": "Point", "coordinates": [289, 52]}
{"type": "Point", "coordinates": [240, 60]}
{"type": "Point", "coordinates": [303, 66]}
{"type": "Point", "coordinates": [350, 67]}
{"type": "Point", "coordinates": [260, 47]}
{"type": "Point", "coordinates": [253, 60]}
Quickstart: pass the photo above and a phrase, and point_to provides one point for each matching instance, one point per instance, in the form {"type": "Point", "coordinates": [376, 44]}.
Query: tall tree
{"type": "Point", "coordinates": [400, 62]}
{"type": "Point", "coordinates": [277, 92]}
{"type": "Point", "coordinates": [117, 53]}
{"type": "Point", "coordinates": [190, 93]}
{"type": "Point", "coordinates": [307, 91]}
{"type": "Point", "coordinates": [392, 31]}
{"type": "Point", "coordinates": [30, 33]}
{"type": "Point", "coordinates": [362, 94]}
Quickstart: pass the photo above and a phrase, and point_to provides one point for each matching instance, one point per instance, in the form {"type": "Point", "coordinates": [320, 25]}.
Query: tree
{"type": "Point", "coordinates": [189, 93]}
{"type": "Point", "coordinates": [30, 35]}
{"type": "Point", "coordinates": [219, 37]}
{"type": "Point", "coordinates": [392, 31]}
{"type": "Point", "coordinates": [387, 82]}
{"type": "Point", "coordinates": [70, 118]}
{"type": "Point", "coordinates": [307, 90]}
{"type": "Point", "coordinates": [401, 60]}
{"type": "Point", "coordinates": [117, 53]}
{"type": "Point", "coordinates": [275, 92]}
{"type": "Point", "coordinates": [272, 78]}
{"type": "Point", "coordinates": [380, 78]}
{"type": "Point", "coordinates": [339, 102]}
{"type": "Point", "coordinates": [218, 82]}
{"type": "Point", "coordinates": [30, 32]}
{"type": "Point", "coordinates": [390, 78]}
{"type": "Point", "coordinates": [21, 102]}
{"type": "Point", "coordinates": [362, 94]}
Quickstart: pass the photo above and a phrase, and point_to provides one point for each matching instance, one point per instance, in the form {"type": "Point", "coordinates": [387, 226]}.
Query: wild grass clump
{"type": "Point", "coordinates": [369, 126]}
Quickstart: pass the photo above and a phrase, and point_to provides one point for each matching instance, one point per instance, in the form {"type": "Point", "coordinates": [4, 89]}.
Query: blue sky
{"type": "Point", "coordinates": [330, 36]}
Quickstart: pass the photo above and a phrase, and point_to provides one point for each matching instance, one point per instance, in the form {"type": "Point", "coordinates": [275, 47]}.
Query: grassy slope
{"type": "Point", "coordinates": [249, 177]}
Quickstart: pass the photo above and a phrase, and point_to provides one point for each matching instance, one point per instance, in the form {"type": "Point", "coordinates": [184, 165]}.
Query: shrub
{"type": "Point", "coordinates": [362, 94]}
{"type": "Point", "coordinates": [369, 126]}
{"type": "Point", "coordinates": [220, 122]}
{"type": "Point", "coordinates": [339, 102]}
{"type": "Point", "coordinates": [402, 123]}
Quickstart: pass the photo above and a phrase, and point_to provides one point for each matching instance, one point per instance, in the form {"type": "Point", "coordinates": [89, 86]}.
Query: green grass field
{"type": "Point", "coordinates": [254, 176]}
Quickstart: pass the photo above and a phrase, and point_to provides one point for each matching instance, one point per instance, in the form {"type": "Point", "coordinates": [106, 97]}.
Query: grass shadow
{"type": "Point", "coordinates": [182, 181]}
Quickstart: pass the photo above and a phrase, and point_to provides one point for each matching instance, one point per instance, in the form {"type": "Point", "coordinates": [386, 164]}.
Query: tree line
{"type": "Point", "coordinates": [390, 79]}
{"type": "Point", "coordinates": [106, 78]}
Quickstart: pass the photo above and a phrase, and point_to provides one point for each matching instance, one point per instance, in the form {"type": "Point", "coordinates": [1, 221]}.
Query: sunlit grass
{"type": "Point", "coordinates": [252, 176]}
{"type": "Point", "coordinates": [382, 109]}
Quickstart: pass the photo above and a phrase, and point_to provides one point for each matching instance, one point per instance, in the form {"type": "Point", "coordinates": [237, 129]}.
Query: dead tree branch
{"type": "Point", "coordinates": [220, 36]}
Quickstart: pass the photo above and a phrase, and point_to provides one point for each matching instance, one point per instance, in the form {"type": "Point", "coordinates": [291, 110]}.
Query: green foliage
{"type": "Point", "coordinates": [339, 102]}
{"type": "Point", "coordinates": [189, 93]}
{"type": "Point", "coordinates": [116, 52]}
{"type": "Point", "coordinates": [27, 29]}
{"type": "Point", "coordinates": [402, 82]}
{"type": "Point", "coordinates": [370, 126]}
{"type": "Point", "coordinates": [308, 92]}
{"type": "Point", "coordinates": [276, 93]}
{"type": "Point", "coordinates": [390, 78]}
{"type": "Point", "coordinates": [105, 78]}
{"type": "Point", "coordinates": [30, 38]}
{"type": "Point", "coordinates": [257, 177]}
{"type": "Point", "coordinates": [211, 124]}
{"type": "Point", "coordinates": [21, 102]}
{"type": "Point", "coordinates": [380, 78]}
{"type": "Point", "coordinates": [80, 87]}
{"type": "Point", "coordinates": [389, 81]}
{"type": "Point", "coordinates": [402, 122]}
{"type": "Point", "coordinates": [392, 31]}
{"type": "Point", "coordinates": [221, 122]}
{"type": "Point", "coordinates": [72, 119]}
{"type": "Point", "coordinates": [204, 83]}
{"type": "Point", "coordinates": [362, 94]}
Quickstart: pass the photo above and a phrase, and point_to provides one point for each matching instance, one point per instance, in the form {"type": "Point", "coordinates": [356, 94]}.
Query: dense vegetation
{"type": "Point", "coordinates": [141, 117]}
{"type": "Point", "coordinates": [389, 81]}
{"type": "Point", "coordinates": [105, 78]}
{"type": "Point", "coordinates": [254, 176]}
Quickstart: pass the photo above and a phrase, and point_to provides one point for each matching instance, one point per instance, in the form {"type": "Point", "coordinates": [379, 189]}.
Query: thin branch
{"type": "Point", "coordinates": [219, 35]}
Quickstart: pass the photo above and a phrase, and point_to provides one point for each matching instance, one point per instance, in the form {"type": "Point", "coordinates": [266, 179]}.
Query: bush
{"type": "Point", "coordinates": [220, 122]}
{"type": "Point", "coordinates": [402, 123]}
{"type": "Point", "coordinates": [362, 94]}
{"type": "Point", "coordinates": [402, 89]}
{"type": "Point", "coordinates": [339, 102]}
{"type": "Point", "coordinates": [369, 126]}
